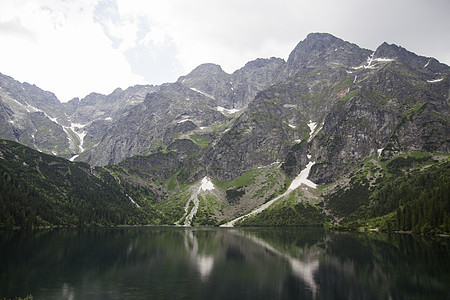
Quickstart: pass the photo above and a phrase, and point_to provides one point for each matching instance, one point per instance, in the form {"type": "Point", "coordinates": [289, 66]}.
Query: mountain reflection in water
{"type": "Point", "coordinates": [204, 262]}
{"type": "Point", "coordinates": [211, 263]}
{"type": "Point", "coordinates": [303, 267]}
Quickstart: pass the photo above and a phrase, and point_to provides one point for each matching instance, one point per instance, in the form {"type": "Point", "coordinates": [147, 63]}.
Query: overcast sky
{"type": "Point", "coordinates": [75, 47]}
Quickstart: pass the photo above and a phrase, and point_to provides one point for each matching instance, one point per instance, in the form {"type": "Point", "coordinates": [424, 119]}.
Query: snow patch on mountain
{"type": "Point", "coordinates": [290, 106]}
{"type": "Point", "coordinates": [370, 62]}
{"type": "Point", "coordinates": [31, 108]}
{"type": "Point", "coordinates": [275, 163]}
{"type": "Point", "coordinates": [207, 185]}
{"type": "Point", "coordinates": [379, 151]}
{"type": "Point", "coordinates": [435, 80]}
{"type": "Point", "coordinates": [203, 93]}
{"type": "Point", "coordinates": [301, 179]}
{"type": "Point", "coordinates": [224, 110]}
{"type": "Point", "coordinates": [75, 137]}
{"type": "Point", "coordinates": [203, 186]}
{"type": "Point", "coordinates": [313, 130]}
{"type": "Point", "coordinates": [312, 126]}
{"type": "Point", "coordinates": [384, 59]}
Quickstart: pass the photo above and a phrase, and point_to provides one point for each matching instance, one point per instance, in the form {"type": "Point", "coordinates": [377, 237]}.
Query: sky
{"type": "Point", "coordinates": [75, 47]}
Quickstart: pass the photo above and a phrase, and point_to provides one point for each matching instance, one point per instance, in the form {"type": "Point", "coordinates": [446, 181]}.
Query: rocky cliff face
{"type": "Point", "coordinates": [200, 106]}
{"type": "Point", "coordinates": [313, 79]}
{"type": "Point", "coordinates": [237, 90]}
{"type": "Point", "coordinates": [105, 129]}
{"type": "Point", "coordinates": [37, 119]}
{"type": "Point", "coordinates": [28, 115]}
{"type": "Point", "coordinates": [331, 101]}
{"type": "Point", "coordinates": [394, 104]}
{"type": "Point", "coordinates": [173, 112]}
{"type": "Point", "coordinates": [343, 103]}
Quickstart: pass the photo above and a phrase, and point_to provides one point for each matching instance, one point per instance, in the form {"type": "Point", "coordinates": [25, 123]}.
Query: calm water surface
{"type": "Point", "coordinates": [201, 263]}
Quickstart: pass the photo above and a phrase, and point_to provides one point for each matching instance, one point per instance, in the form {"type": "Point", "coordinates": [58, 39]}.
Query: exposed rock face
{"type": "Point", "coordinates": [159, 120]}
{"type": "Point", "coordinates": [100, 107]}
{"type": "Point", "coordinates": [211, 81]}
{"type": "Point", "coordinates": [205, 97]}
{"type": "Point", "coordinates": [323, 50]}
{"type": "Point", "coordinates": [331, 102]}
{"type": "Point", "coordinates": [395, 107]}
{"type": "Point", "coordinates": [28, 115]}
{"type": "Point", "coordinates": [278, 118]}
{"type": "Point", "coordinates": [37, 119]}
{"type": "Point", "coordinates": [360, 101]}
{"type": "Point", "coordinates": [254, 77]}
{"type": "Point", "coordinates": [238, 89]}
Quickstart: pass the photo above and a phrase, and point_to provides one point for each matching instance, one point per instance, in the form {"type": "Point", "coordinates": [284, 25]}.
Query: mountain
{"type": "Point", "coordinates": [199, 105]}
{"type": "Point", "coordinates": [37, 119]}
{"type": "Point", "coordinates": [234, 91]}
{"type": "Point", "coordinates": [320, 138]}
{"type": "Point", "coordinates": [101, 129]}
{"type": "Point", "coordinates": [339, 105]}
{"type": "Point", "coordinates": [27, 115]}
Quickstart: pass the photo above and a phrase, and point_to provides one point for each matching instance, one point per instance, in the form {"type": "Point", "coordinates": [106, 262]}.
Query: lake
{"type": "Point", "coordinates": [222, 263]}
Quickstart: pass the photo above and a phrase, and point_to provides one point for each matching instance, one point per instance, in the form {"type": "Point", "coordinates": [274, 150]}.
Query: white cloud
{"type": "Point", "coordinates": [233, 32]}
{"type": "Point", "coordinates": [70, 54]}
{"type": "Point", "coordinates": [226, 32]}
{"type": "Point", "coordinates": [122, 29]}
{"type": "Point", "coordinates": [14, 27]}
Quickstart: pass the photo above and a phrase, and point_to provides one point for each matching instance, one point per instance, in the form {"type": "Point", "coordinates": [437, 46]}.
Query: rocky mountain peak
{"type": "Point", "coordinates": [259, 112]}
{"type": "Point", "coordinates": [409, 59]}
{"type": "Point", "coordinates": [202, 70]}
{"type": "Point", "coordinates": [324, 49]}
{"type": "Point", "coordinates": [261, 62]}
{"type": "Point", "coordinates": [209, 80]}
{"type": "Point", "coordinates": [395, 52]}
{"type": "Point", "coordinates": [233, 91]}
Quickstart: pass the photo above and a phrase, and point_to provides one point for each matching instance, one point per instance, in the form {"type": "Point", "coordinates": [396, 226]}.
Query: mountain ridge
{"type": "Point", "coordinates": [344, 109]}
{"type": "Point", "coordinates": [231, 91]}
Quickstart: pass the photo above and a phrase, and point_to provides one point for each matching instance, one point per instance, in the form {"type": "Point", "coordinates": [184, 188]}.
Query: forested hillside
{"type": "Point", "coordinates": [416, 201]}
{"type": "Point", "coordinates": [37, 189]}
{"type": "Point", "coordinates": [406, 193]}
